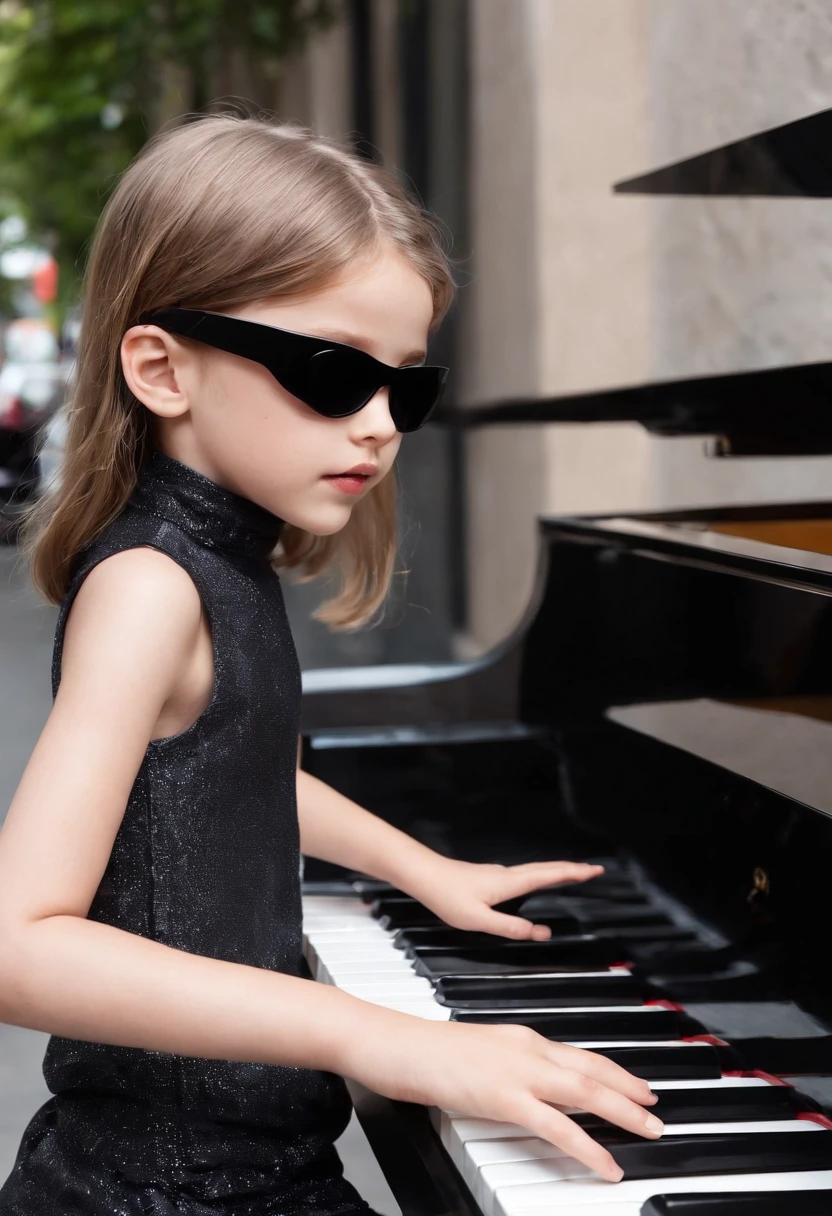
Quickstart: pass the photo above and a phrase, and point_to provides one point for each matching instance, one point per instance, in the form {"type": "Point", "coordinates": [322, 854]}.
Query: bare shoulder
{"type": "Point", "coordinates": [134, 608]}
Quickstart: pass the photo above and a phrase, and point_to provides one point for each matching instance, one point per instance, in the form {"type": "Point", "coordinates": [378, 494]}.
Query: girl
{"type": "Point", "coordinates": [257, 306]}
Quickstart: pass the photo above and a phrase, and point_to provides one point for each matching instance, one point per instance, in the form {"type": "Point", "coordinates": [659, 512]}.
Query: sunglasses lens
{"type": "Point", "coordinates": [415, 397]}
{"type": "Point", "coordinates": [331, 383]}
{"type": "Point", "coordinates": [335, 384]}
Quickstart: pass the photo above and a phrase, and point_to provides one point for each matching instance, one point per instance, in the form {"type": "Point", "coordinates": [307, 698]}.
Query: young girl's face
{"type": "Point", "coordinates": [229, 418]}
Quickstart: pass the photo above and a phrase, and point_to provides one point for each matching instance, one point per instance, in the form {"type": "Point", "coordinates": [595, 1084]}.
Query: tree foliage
{"type": "Point", "coordinates": [83, 83]}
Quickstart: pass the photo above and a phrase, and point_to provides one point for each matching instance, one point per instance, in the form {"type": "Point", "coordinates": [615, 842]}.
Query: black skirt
{"type": "Point", "coordinates": [93, 1155]}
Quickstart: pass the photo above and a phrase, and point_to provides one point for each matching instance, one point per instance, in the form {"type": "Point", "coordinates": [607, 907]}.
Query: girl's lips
{"type": "Point", "coordinates": [348, 483]}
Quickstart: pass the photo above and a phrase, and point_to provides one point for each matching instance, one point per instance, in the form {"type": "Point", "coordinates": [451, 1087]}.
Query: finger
{"type": "Point", "coordinates": [549, 1124]}
{"type": "Point", "coordinates": [593, 1096]}
{"type": "Point", "coordinates": [520, 880]}
{"type": "Point", "coordinates": [605, 1072]}
{"type": "Point", "coordinates": [515, 927]}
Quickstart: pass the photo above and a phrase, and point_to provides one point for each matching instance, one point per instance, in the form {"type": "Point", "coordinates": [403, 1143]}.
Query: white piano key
{"type": "Point", "coordinates": [556, 1167]}
{"type": "Point", "coordinates": [364, 951]}
{"type": "Point", "coordinates": [483, 1155]}
{"type": "Point", "coordinates": [356, 933]}
{"type": "Point", "coordinates": [348, 966]}
{"type": "Point", "coordinates": [604, 1209]}
{"type": "Point", "coordinates": [710, 1083]}
{"type": "Point", "coordinates": [338, 924]}
{"type": "Point", "coordinates": [462, 1137]}
{"type": "Point", "coordinates": [456, 1130]}
{"type": "Point", "coordinates": [459, 1132]}
{"type": "Point", "coordinates": [555, 975]}
{"type": "Point", "coordinates": [379, 992]}
{"type": "Point", "coordinates": [594, 1045]}
{"type": "Point", "coordinates": [335, 903]}
{"type": "Point", "coordinates": [599, 1198]}
{"type": "Point", "coordinates": [640, 1009]}
{"type": "Point", "coordinates": [482, 1129]}
{"type": "Point", "coordinates": [482, 1158]}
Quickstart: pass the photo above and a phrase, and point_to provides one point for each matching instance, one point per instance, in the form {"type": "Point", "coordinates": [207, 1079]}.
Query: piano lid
{"type": "Point", "coordinates": [794, 159]}
{"type": "Point", "coordinates": [777, 410]}
{"type": "Point", "coordinates": [783, 744]}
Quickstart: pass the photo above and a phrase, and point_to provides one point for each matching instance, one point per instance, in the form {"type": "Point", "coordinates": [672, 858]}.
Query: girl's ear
{"type": "Point", "coordinates": [156, 368]}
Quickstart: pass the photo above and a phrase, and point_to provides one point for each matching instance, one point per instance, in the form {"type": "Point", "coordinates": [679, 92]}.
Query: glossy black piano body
{"type": "Point", "coordinates": [667, 699]}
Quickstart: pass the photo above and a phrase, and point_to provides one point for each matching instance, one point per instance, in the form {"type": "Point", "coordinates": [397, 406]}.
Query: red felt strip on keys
{"type": "Point", "coordinates": [706, 1038]}
{"type": "Point", "coordinates": [811, 1117]}
{"type": "Point", "coordinates": [672, 1005]}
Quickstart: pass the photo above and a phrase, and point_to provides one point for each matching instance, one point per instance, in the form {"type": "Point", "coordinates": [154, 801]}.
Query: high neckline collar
{"type": "Point", "coordinates": [216, 517]}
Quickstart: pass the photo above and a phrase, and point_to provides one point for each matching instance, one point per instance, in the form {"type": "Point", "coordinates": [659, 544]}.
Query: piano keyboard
{"type": "Point", "coordinates": [774, 1154]}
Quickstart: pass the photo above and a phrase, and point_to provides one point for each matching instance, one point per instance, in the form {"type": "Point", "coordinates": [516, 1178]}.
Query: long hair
{"type": "Point", "coordinates": [221, 211]}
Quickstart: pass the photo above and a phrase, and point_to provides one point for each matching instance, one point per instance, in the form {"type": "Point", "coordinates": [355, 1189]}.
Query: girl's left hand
{"type": "Point", "coordinates": [462, 893]}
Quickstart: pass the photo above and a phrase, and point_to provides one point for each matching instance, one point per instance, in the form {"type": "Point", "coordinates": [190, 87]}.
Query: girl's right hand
{"type": "Point", "coordinates": [506, 1073]}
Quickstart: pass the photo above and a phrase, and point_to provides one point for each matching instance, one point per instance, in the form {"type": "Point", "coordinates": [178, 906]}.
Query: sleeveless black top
{"type": "Point", "coordinates": [207, 860]}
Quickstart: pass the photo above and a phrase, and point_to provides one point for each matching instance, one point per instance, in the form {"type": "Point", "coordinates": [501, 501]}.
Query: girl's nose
{"type": "Point", "coordinates": [374, 422]}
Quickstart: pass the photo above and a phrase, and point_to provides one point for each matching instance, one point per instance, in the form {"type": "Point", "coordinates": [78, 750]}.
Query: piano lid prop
{"type": "Point", "coordinates": [768, 411]}
{"type": "Point", "coordinates": [793, 160]}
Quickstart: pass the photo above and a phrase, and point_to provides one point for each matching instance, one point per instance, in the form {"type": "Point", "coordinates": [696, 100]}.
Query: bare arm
{"type": "Point", "coordinates": [334, 828]}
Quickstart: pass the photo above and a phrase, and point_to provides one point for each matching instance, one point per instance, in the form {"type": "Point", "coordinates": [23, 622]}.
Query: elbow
{"type": "Point", "coordinates": [15, 950]}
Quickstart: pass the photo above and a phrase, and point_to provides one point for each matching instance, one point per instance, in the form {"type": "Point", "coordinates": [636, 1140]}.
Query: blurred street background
{"type": "Point", "coordinates": [509, 120]}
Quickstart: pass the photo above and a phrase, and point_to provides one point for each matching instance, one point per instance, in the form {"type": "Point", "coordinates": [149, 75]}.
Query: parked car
{"type": "Point", "coordinates": [30, 393]}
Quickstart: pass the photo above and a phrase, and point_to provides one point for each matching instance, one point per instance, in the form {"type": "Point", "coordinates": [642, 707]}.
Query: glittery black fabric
{"type": "Point", "coordinates": [206, 860]}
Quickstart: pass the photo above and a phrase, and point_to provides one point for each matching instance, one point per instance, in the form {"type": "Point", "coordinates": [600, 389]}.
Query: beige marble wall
{"type": "Point", "coordinates": [500, 310]}
{"type": "Point", "coordinates": [741, 282]}
{"type": "Point", "coordinates": [316, 87]}
{"type": "Point", "coordinates": [561, 298]}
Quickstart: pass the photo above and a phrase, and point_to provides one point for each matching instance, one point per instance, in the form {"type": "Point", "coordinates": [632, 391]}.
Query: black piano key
{"type": "Point", "coordinates": [404, 909]}
{"type": "Point", "coordinates": [409, 918]}
{"type": "Point", "coordinates": [600, 917]}
{"type": "Point", "coordinates": [697, 960]}
{"type": "Point", "coordinates": [739, 981]}
{"type": "Point", "coordinates": [541, 991]}
{"type": "Point", "coordinates": [691, 1062]}
{"type": "Point", "coordinates": [646, 933]}
{"type": "Point", "coordinates": [595, 890]}
{"type": "Point", "coordinates": [370, 889]}
{"type": "Point", "coordinates": [585, 895]}
{"type": "Point", "coordinates": [737, 1104]}
{"type": "Point", "coordinates": [585, 953]}
{"type": "Point", "coordinates": [595, 1024]}
{"type": "Point", "coordinates": [788, 1057]}
{"type": "Point", "coordinates": [728, 1153]}
{"type": "Point", "coordinates": [742, 1203]}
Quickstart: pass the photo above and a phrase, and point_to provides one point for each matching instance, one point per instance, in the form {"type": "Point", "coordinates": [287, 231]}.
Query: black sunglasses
{"type": "Point", "coordinates": [332, 378]}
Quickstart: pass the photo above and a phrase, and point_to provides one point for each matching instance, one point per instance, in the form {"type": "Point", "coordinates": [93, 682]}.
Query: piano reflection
{"type": "Point", "coordinates": [664, 708]}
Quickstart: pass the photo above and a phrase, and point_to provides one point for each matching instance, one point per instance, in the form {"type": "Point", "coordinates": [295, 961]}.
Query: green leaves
{"type": "Point", "coordinates": [83, 83]}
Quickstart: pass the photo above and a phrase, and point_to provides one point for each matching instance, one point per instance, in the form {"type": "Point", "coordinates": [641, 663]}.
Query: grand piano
{"type": "Point", "coordinates": [665, 707]}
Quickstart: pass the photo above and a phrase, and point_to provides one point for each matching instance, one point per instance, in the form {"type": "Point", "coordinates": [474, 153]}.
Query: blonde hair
{"type": "Point", "coordinates": [179, 227]}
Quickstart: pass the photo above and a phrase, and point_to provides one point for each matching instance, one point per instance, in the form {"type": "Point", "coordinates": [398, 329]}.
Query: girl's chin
{"type": "Point", "coordinates": [323, 523]}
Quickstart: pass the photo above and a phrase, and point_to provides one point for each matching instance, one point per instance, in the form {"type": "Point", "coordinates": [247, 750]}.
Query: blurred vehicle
{"type": "Point", "coordinates": [33, 385]}
{"type": "Point", "coordinates": [30, 340]}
